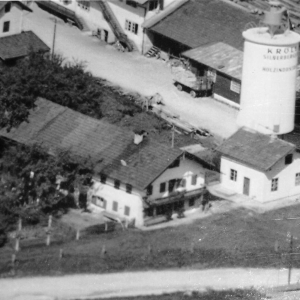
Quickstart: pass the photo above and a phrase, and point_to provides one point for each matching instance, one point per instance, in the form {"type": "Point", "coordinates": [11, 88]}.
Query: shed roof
{"type": "Point", "coordinates": [201, 22]}
{"type": "Point", "coordinates": [19, 45]}
{"type": "Point", "coordinates": [59, 128]}
{"type": "Point", "coordinates": [254, 149]}
{"type": "Point", "coordinates": [219, 56]}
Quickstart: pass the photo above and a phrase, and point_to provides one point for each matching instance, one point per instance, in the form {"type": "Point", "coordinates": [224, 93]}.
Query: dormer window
{"type": "Point", "coordinates": [131, 3]}
{"type": "Point", "coordinates": [7, 7]}
{"type": "Point", "coordinates": [289, 159]}
{"type": "Point", "coordinates": [153, 4]}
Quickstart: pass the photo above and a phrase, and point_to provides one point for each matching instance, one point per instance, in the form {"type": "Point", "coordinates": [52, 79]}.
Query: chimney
{"type": "Point", "coordinates": [139, 136]}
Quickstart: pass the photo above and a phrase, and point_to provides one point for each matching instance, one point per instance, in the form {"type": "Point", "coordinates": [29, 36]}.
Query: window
{"type": "Point", "coordinates": [194, 179]}
{"type": "Point", "coordinates": [162, 187]}
{"type": "Point", "coordinates": [131, 3]}
{"type": "Point", "coordinates": [233, 175]}
{"type": "Point", "coordinates": [6, 26]}
{"type": "Point", "coordinates": [274, 186]}
{"type": "Point", "coordinates": [84, 4]}
{"type": "Point", "coordinates": [192, 202]}
{"type": "Point", "coordinates": [175, 163]}
{"type": "Point", "coordinates": [127, 211]}
{"type": "Point", "coordinates": [183, 182]}
{"type": "Point", "coordinates": [235, 86]}
{"type": "Point", "coordinates": [149, 190]}
{"type": "Point", "coordinates": [103, 178]}
{"type": "Point", "coordinates": [130, 26]}
{"type": "Point", "coordinates": [7, 7]}
{"type": "Point", "coordinates": [115, 206]}
{"type": "Point", "coordinates": [172, 184]}
{"type": "Point", "coordinates": [128, 188]}
{"type": "Point", "coordinates": [297, 179]}
{"type": "Point", "coordinates": [153, 4]}
{"type": "Point", "coordinates": [289, 159]}
{"type": "Point", "coordinates": [117, 184]}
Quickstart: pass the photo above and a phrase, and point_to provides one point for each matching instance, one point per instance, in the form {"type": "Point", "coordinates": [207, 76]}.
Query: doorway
{"type": "Point", "coordinates": [246, 186]}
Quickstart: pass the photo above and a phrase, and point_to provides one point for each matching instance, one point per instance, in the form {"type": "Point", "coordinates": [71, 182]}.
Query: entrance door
{"type": "Point", "coordinates": [246, 186]}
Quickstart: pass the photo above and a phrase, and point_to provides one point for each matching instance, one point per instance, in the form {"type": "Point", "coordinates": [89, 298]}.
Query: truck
{"type": "Point", "coordinates": [197, 86]}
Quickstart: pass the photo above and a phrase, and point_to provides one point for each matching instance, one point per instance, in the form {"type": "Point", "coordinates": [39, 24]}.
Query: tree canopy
{"type": "Point", "coordinates": [54, 79]}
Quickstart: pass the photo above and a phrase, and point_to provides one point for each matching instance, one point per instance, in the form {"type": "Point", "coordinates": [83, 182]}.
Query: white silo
{"type": "Point", "coordinates": [269, 77]}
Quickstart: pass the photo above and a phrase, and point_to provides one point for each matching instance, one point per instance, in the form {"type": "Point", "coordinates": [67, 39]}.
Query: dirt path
{"type": "Point", "coordinates": [140, 283]}
{"type": "Point", "coordinates": [131, 71]}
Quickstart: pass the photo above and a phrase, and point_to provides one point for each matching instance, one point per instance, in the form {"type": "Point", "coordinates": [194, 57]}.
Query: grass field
{"type": "Point", "coordinates": [209, 295]}
{"type": "Point", "coordinates": [238, 238]}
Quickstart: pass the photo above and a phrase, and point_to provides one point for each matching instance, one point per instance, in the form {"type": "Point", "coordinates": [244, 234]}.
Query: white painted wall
{"type": "Point", "coordinates": [134, 200]}
{"type": "Point", "coordinates": [257, 178]}
{"type": "Point", "coordinates": [125, 12]}
{"type": "Point", "coordinates": [186, 169]}
{"type": "Point", "coordinates": [260, 182]}
{"type": "Point", "coordinates": [15, 19]}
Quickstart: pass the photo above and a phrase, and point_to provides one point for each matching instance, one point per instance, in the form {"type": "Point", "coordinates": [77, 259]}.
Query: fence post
{"type": "Point", "coordinates": [50, 221]}
{"type": "Point", "coordinates": [61, 253]}
{"type": "Point", "coordinates": [149, 249]}
{"type": "Point", "coordinates": [106, 226]}
{"type": "Point", "coordinates": [17, 245]}
{"type": "Point", "coordinates": [13, 264]}
{"type": "Point", "coordinates": [20, 224]}
{"type": "Point", "coordinates": [77, 234]}
{"type": "Point", "coordinates": [48, 239]}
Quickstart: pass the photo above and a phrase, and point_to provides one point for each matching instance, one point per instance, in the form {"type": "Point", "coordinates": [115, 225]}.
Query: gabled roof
{"type": "Point", "coordinates": [20, 45]}
{"type": "Point", "coordinates": [21, 4]}
{"type": "Point", "coordinates": [201, 22]}
{"type": "Point", "coordinates": [219, 56]}
{"type": "Point", "coordinates": [254, 149]}
{"type": "Point", "coordinates": [59, 128]}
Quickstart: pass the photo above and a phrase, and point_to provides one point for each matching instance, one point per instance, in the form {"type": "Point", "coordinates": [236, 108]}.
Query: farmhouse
{"type": "Point", "coordinates": [136, 178]}
{"type": "Point", "coordinates": [113, 20]}
{"type": "Point", "coordinates": [14, 43]}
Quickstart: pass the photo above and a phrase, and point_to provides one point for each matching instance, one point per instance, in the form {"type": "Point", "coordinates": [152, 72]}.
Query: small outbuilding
{"type": "Point", "coordinates": [223, 64]}
{"type": "Point", "coordinates": [259, 166]}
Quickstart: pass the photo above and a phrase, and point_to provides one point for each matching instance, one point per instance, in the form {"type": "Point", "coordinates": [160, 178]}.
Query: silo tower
{"type": "Point", "coordinates": [269, 75]}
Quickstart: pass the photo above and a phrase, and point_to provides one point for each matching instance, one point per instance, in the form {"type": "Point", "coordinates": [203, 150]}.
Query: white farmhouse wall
{"type": "Point", "coordinates": [14, 17]}
{"type": "Point", "coordinates": [257, 178]}
{"type": "Point", "coordinates": [186, 170]}
{"type": "Point", "coordinates": [134, 200]}
{"type": "Point", "coordinates": [136, 15]}
{"type": "Point", "coordinates": [286, 175]}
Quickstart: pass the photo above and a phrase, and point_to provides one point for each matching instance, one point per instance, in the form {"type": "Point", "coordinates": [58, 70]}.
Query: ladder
{"type": "Point", "coordinates": [114, 24]}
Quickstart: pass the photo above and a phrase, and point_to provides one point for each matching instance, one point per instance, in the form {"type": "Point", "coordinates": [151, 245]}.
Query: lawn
{"type": "Point", "coordinates": [209, 295]}
{"type": "Point", "coordinates": [238, 238]}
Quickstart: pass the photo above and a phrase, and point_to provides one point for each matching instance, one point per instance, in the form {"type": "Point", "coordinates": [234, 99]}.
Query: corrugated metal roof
{"type": "Point", "coordinates": [60, 128]}
{"type": "Point", "coordinates": [254, 149]}
{"type": "Point", "coordinates": [19, 45]}
{"type": "Point", "coordinates": [202, 22]}
{"type": "Point", "coordinates": [219, 56]}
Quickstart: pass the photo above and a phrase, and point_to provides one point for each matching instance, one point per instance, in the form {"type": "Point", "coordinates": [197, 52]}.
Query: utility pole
{"type": "Point", "coordinates": [54, 36]}
{"type": "Point", "coordinates": [290, 259]}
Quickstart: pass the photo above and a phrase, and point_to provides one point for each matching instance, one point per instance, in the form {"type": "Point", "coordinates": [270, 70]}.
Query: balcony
{"type": "Point", "coordinates": [177, 196]}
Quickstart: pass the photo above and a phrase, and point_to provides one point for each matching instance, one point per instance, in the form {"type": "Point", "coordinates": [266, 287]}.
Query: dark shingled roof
{"type": "Point", "coordinates": [20, 45]}
{"type": "Point", "coordinates": [202, 22]}
{"type": "Point", "coordinates": [60, 128]}
{"type": "Point", "coordinates": [257, 150]}
{"type": "Point", "coordinates": [22, 5]}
